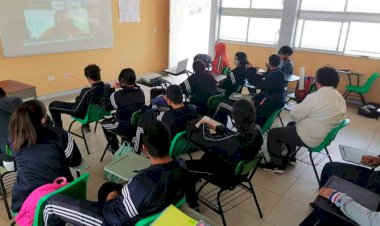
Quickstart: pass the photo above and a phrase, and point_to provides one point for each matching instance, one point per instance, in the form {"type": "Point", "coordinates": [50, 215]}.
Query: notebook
{"type": "Point", "coordinates": [354, 155]}
{"type": "Point", "coordinates": [172, 216]}
{"type": "Point", "coordinates": [181, 68]}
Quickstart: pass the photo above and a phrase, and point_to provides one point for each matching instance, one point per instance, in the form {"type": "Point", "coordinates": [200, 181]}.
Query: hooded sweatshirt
{"type": "Point", "coordinates": [221, 58]}
{"type": "Point", "coordinates": [7, 106]}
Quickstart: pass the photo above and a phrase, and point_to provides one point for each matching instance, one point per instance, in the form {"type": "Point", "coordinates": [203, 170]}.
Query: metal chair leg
{"type": "Point", "coordinates": [220, 208]}
{"type": "Point", "coordinates": [78, 173]}
{"type": "Point", "coordinates": [71, 124]}
{"type": "Point", "coordinates": [328, 154]}
{"type": "Point", "coordinates": [96, 126]}
{"type": "Point", "coordinates": [279, 116]}
{"type": "Point", "coordinates": [346, 94]}
{"type": "Point", "coordinates": [85, 141]}
{"type": "Point", "coordinates": [4, 194]}
{"type": "Point", "coordinates": [315, 170]}
{"type": "Point", "coordinates": [104, 152]}
{"type": "Point", "coordinates": [254, 196]}
{"type": "Point", "coordinates": [362, 98]}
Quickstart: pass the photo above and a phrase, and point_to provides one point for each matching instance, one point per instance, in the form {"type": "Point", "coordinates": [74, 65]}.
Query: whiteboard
{"type": "Point", "coordinates": [52, 26]}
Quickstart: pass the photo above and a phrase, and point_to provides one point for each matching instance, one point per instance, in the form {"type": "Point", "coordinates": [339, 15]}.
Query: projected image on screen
{"type": "Point", "coordinates": [41, 26]}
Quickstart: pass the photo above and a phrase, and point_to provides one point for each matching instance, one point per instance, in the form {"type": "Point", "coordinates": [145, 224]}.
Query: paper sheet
{"type": "Point", "coordinates": [129, 11]}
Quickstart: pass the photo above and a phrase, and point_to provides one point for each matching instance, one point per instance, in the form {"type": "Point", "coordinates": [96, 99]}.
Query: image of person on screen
{"type": "Point", "coordinates": [64, 27]}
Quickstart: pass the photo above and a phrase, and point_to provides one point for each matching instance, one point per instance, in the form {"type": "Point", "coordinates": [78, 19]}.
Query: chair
{"type": "Point", "coordinates": [82, 166]}
{"type": "Point", "coordinates": [232, 189]}
{"type": "Point", "coordinates": [180, 145]}
{"type": "Point", "coordinates": [293, 97]}
{"type": "Point", "coordinates": [325, 143]}
{"type": "Point", "coordinates": [76, 189]}
{"type": "Point", "coordinates": [270, 120]}
{"type": "Point", "coordinates": [213, 102]}
{"type": "Point", "coordinates": [361, 90]}
{"type": "Point", "coordinates": [94, 114]}
{"type": "Point", "coordinates": [7, 180]}
{"type": "Point", "coordinates": [148, 220]}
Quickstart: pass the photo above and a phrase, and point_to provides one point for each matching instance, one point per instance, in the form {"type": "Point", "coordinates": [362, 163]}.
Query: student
{"type": "Point", "coordinates": [98, 94]}
{"type": "Point", "coordinates": [149, 192]}
{"type": "Point", "coordinates": [286, 63]}
{"type": "Point", "coordinates": [236, 78]}
{"type": "Point", "coordinates": [42, 153]}
{"type": "Point", "coordinates": [200, 86]}
{"type": "Point", "coordinates": [272, 85]}
{"type": "Point", "coordinates": [221, 58]}
{"type": "Point", "coordinates": [223, 149]}
{"type": "Point", "coordinates": [7, 106]}
{"type": "Point", "coordinates": [313, 119]}
{"type": "Point", "coordinates": [176, 118]}
{"type": "Point", "coordinates": [125, 101]}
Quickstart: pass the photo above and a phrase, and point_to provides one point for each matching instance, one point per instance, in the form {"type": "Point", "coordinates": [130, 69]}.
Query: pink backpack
{"type": "Point", "coordinates": [26, 215]}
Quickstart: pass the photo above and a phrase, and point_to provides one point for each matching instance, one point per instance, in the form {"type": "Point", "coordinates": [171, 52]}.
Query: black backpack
{"type": "Point", "coordinates": [370, 110]}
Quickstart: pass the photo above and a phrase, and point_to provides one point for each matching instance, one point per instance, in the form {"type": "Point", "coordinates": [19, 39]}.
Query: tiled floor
{"type": "Point", "coordinates": [283, 198]}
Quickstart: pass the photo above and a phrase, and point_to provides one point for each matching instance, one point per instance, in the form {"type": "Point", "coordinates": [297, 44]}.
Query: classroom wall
{"type": "Point", "coordinates": [136, 45]}
{"type": "Point", "coordinates": [312, 61]}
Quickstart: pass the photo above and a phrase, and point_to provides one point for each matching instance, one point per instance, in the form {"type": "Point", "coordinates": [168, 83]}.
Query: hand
{"type": "Point", "coordinates": [112, 195]}
{"type": "Point", "coordinates": [115, 85]}
{"type": "Point", "coordinates": [370, 160]}
{"type": "Point", "coordinates": [326, 192]}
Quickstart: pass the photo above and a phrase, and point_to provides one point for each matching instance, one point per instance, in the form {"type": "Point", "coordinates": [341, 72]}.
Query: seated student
{"type": "Point", "coordinates": [221, 58]}
{"type": "Point", "coordinates": [313, 119]}
{"type": "Point", "coordinates": [98, 94]}
{"type": "Point", "coordinates": [272, 95]}
{"type": "Point", "coordinates": [147, 193]}
{"type": "Point", "coordinates": [200, 86]}
{"type": "Point", "coordinates": [7, 106]}
{"type": "Point", "coordinates": [125, 101]}
{"type": "Point", "coordinates": [286, 64]}
{"type": "Point", "coordinates": [225, 148]}
{"type": "Point", "coordinates": [236, 78]}
{"type": "Point", "coordinates": [176, 118]}
{"type": "Point", "coordinates": [42, 153]}
{"type": "Point", "coordinates": [205, 59]}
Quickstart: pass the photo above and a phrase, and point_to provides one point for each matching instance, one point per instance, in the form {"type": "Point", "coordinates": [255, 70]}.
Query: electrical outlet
{"type": "Point", "coordinates": [66, 75]}
{"type": "Point", "coordinates": [51, 78]}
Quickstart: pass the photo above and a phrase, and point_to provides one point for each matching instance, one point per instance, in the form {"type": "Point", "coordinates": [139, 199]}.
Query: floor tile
{"type": "Point", "coordinates": [273, 182]}
{"type": "Point", "coordinates": [302, 191]}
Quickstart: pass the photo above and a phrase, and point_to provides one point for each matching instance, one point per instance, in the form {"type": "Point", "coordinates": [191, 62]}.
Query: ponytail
{"type": "Point", "coordinates": [21, 128]}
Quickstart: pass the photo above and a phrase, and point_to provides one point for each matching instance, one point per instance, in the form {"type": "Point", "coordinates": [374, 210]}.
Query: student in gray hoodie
{"type": "Point", "coordinates": [7, 106]}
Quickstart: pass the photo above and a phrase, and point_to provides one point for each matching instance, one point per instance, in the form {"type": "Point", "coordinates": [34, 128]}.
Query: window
{"type": "Point", "coordinates": [251, 21]}
{"type": "Point", "coordinates": [339, 26]}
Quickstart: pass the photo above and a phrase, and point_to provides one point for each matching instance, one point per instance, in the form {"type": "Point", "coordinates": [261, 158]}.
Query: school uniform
{"type": "Point", "coordinates": [7, 106]}
{"type": "Point", "coordinates": [234, 81]}
{"type": "Point", "coordinates": [41, 163]}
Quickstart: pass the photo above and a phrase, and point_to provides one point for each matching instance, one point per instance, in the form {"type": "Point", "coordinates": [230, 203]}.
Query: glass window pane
{"type": "Point", "coordinates": [363, 39]}
{"type": "Point", "coordinates": [323, 5]}
{"type": "Point", "coordinates": [233, 28]}
{"type": "Point", "coordinates": [264, 30]}
{"type": "Point", "coordinates": [343, 37]}
{"type": "Point", "coordinates": [267, 4]}
{"type": "Point", "coordinates": [366, 6]}
{"type": "Point", "coordinates": [298, 33]}
{"type": "Point", "coordinates": [320, 35]}
{"type": "Point", "coordinates": [236, 3]}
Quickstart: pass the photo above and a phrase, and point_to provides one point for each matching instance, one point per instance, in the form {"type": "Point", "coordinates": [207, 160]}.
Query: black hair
{"type": "Point", "coordinates": [327, 76]}
{"type": "Point", "coordinates": [156, 138]}
{"type": "Point", "coordinates": [286, 50]}
{"type": "Point", "coordinates": [2, 93]}
{"type": "Point", "coordinates": [242, 58]}
{"type": "Point", "coordinates": [274, 60]}
{"type": "Point", "coordinates": [175, 94]}
{"type": "Point", "coordinates": [199, 66]}
{"type": "Point", "coordinates": [92, 71]}
{"type": "Point", "coordinates": [127, 76]}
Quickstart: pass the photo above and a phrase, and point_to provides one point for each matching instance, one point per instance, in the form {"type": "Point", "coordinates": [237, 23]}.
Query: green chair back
{"type": "Point", "coordinates": [136, 118]}
{"type": "Point", "coordinates": [214, 101]}
{"type": "Point", "coordinates": [270, 120]}
{"type": "Point", "coordinates": [94, 113]}
{"type": "Point", "coordinates": [330, 136]}
{"type": "Point", "coordinates": [245, 167]}
{"type": "Point", "coordinates": [76, 189]}
{"type": "Point", "coordinates": [148, 220]}
{"type": "Point", "coordinates": [370, 81]}
{"type": "Point", "coordinates": [225, 70]}
{"type": "Point", "coordinates": [180, 145]}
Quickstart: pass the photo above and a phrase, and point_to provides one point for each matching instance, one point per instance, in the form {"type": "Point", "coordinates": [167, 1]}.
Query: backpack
{"type": "Point", "coordinates": [301, 94]}
{"type": "Point", "coordinates": [204, 58]}
{"type": "Point", "coordinates": [370, 110]}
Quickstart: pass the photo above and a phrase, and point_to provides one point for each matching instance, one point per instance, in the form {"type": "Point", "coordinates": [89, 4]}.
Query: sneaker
{"type": "Point", "coordinates": [293, 160]}
{"type": "Point", "coordinates": [86, 128]}
{"type": "Point", "coordinates": [271, 167]}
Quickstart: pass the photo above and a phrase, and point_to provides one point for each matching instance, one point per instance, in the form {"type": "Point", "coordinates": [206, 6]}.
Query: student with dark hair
{"type": "Point", "coordinates": [42, 153]}
{"type": "Point", "coordinates": [176, 118]}
{"type": "Point", "coordinates": [149, 192]}
{"type": "Point", "coordinates": [125, 101]}
{"type": "Point", "coordinates": [200, 86]}
{"type": "Point", "coordinates": [223, 149]}
{"type": "Point", "coordinates": [97, 94]}
{"type": "Point", "coordinates": [286, 64]}
{"type": "Point", "coordinates": [313, 119]}
{"type": "Point", "coordinates": [272, 85]}
{"type": "Point", "coordinates": [7, 106]}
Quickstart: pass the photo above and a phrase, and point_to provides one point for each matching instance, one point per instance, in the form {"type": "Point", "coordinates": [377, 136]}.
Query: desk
{"type": "Point", "coordinates": [219, 78]}
{"type": "Point", "coordinates": [349, 73]}
{"type": "Point", "coordinates": [18, 89]}
{"type": "Point", "coordinates": [128, 166]}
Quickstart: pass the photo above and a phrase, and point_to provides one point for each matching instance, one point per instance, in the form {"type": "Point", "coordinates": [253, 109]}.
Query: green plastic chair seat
{"type": "Point", "coordinates": [94, 113]}
{"type": "Point", "coordinates": [214, 101]}
{"type": "Point", "coordinates": [270, 120]}
{"type": "Point", "coordinates": [136, 118]}
{"type": "Point", "coordinates": [180, 145]}
{"type": "Point", "coordinates": [366, 87]}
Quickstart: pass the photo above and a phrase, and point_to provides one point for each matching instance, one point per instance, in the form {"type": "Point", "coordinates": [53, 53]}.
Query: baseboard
{"type": "Point", "coordinates": [59, 94]}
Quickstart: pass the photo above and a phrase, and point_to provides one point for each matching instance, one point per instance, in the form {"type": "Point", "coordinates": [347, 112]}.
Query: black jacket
{"type": "Point", "coordinates": [235, 80]}
{"type": "Point", "coordinates": [39, 164]}
{"type": "Point", "coordinates": [7, 106]}
{"type": "Point", "coordinates": [97, 94]}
